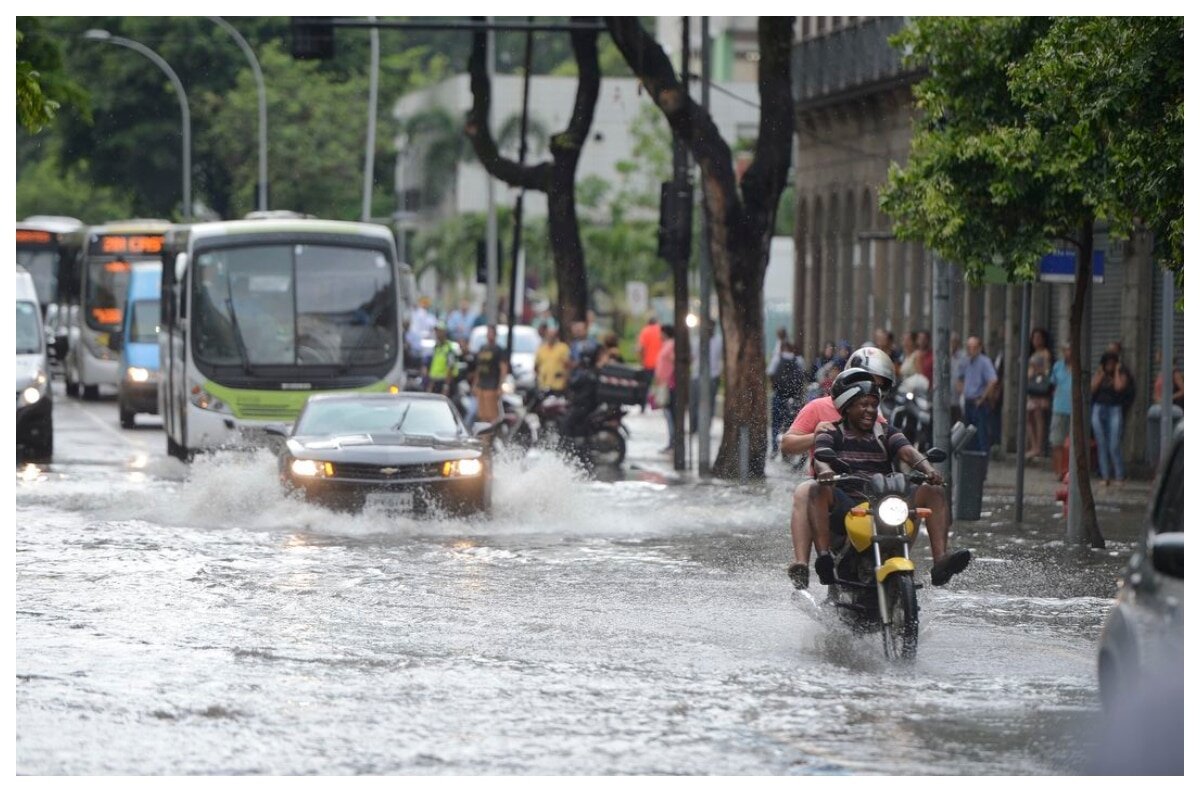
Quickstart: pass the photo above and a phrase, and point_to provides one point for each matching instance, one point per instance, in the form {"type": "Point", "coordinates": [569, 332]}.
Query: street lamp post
{"type": "Point", "coordinates": [104, 35]}
{"type": "Point", "coordinates": [262, 108]}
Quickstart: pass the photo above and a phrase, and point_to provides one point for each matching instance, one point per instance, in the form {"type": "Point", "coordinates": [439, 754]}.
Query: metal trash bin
{"type": "Point", "coordinates": [969, 476]}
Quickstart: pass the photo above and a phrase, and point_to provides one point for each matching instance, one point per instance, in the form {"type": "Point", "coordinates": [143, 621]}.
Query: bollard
{"type": "Point", "coordinates": [968, 484]}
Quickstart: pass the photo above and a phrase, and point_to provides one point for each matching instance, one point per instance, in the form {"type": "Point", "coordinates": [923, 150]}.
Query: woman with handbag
{"type": "Point", "coordinates": [1039, 389]}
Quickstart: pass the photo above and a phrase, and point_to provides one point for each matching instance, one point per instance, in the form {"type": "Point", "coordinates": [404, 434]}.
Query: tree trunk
{"type": "Point", "coordinates": [1083, 471]}
{"type": "Point", "coordinates": [556, 178]}
{"type": "Point", "coordinates": [740, 222]}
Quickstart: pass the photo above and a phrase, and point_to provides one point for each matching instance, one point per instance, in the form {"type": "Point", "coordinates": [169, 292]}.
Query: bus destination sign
{"type": "Point", "coordinates": [126, 244]}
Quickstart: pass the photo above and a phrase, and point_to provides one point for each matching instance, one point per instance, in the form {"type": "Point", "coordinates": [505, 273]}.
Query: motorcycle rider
{"type": "Point", "coordinates": [817, 415]}
{"type": "Point", "coordinates": [866, 448]}
{"type": "Point", "coordinates": [582, 393]}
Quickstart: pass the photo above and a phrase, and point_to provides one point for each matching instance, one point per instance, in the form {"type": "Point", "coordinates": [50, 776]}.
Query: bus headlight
{"type": "Point", "coordinates": [310, 468]}
{"type": "Point", "coordinates": [892, 511]}
{"type": "Point", "coordinates": [462, 467]}
{"type": "Point", "coordinates": [137, 374]}
{"type": "Point", "coordinates": [206, 401]}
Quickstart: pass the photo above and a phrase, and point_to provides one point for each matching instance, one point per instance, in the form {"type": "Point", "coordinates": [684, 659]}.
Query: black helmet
{"type": "Point", "coordinates": [850, 384]}
{"type": "Point", "coordinates": [587, 355]}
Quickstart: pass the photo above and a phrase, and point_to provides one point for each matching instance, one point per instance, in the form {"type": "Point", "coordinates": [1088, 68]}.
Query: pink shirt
{"type": "Point", "coordinates": [815, 412]}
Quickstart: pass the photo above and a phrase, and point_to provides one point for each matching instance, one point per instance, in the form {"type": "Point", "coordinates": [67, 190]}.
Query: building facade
{"type": "Point", "coordinates": [854, 117]}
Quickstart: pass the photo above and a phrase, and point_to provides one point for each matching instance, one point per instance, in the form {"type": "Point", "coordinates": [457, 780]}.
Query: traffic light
{"type": "Point", "coordinates": [312, 38]}
{"type": "Point", "coordinates": [674, 222]}
{"type": "Point", "coordinates": [481, 259]}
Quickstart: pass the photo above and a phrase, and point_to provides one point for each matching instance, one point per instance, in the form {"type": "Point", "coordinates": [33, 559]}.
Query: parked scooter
{"type": "Point", "coordinates": [874, 578]}
{"type": "Point", "coordinates": [912, 413]}
{"type": "Point", "coordinates": [544, 417]}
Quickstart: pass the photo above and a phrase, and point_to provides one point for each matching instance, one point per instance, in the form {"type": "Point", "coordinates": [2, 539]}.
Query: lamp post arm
{"type": "Point", "coordinates": [262, 107]}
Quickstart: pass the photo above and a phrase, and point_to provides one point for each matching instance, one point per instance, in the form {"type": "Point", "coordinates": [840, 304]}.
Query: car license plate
{"type": "Point", "coordinates": [391, 501]}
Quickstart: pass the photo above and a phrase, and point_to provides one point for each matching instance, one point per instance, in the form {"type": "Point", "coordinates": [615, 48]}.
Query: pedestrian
{"type": "Point", "coordinates": [925, 350]}
{"type": "Point", "coordinates": [958, 356]}
{"type": "Point", "coordinates": [458, 323]}
{"type": "Point", "coordinates": [978, 384]}
{"type": "Point", "coordinates": [1176, 384]}
{"type": "Point", "coordinates": [909, 359]}
{"type": "Point", "coordinates": [781, 338]}
{"type": "Point", "coordinates": [664, 383]}
{"type": "Point", "coordinates": [826, 355]}
{"type": "Point", "coordinates": [1109, 387]}
{"type": "Point", "coordinates": [610, 350]}
{"type": "Point", "coordinates": [491, 368]}
{"type": "Point", "coordinates": [1039, 387]}
{"type": "Point", "coordinates": [787, 392]}
{"type": "Point", "coordinates": [1060, 417]}
{"type": "Point", "coordinates": [442, 363]}
{"type": "Point", "coordinates": [550, 362]}
{"type": "Point", "coordinates": [649, 344]}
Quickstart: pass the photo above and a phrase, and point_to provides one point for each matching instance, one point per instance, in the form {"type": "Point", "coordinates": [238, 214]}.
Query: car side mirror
{"type": "Point", "coordinates": [1166, 554]}
{"type": "Point", "coordinates": [276, 429]}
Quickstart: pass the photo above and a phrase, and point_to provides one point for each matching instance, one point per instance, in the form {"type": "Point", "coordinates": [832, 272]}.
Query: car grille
{"type": "Point", "coordinates": [393, 472]}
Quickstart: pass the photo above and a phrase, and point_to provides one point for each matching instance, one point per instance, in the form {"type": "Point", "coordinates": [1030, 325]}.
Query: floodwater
{"type": "Point", "coordinates": [178, 619]}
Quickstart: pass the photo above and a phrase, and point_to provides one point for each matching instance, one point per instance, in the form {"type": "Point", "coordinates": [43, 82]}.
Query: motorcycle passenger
{"type": "Point", "coordinates": [582, 393]}
{"type": "Point", "coordinates": [817, 415]}
{"type": "Point", "coordinates": [865, 448]}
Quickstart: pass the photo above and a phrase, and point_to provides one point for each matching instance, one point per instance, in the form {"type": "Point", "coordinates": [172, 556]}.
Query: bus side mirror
{"type": "Point", "coordinates": [181, 262]}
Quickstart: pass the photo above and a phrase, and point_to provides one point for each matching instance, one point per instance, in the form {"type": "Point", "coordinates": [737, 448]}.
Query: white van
{"type": "Point", "coordinates": [35, 419]}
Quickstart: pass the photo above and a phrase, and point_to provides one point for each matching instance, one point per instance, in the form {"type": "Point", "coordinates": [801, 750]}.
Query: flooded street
{"type": "Point", "coordinates": [177, 619]}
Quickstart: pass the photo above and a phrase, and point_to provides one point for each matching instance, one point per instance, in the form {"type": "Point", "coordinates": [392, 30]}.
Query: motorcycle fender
{"type": "Point", "coordinates": [859, 529]}
{"type": "Point", "coordinates": [893, 565]}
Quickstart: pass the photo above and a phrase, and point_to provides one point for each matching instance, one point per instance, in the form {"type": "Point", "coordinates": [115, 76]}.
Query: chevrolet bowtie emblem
{"type": "Point", "coordinates": [389, 471]}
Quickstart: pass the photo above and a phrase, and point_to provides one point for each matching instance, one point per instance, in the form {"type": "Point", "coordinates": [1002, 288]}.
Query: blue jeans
{"type": "Point", "coordinates": [979, 416]}
{"type": "Point", "coordinates": [1107, 426]}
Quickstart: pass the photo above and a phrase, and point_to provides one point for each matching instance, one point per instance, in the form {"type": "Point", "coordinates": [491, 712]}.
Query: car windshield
{"type": "Point", "coordinates": [294, 305]}
{"type": "Point", "coordinates": [524, 342]}
{"type": "Point", "coordinates": [407, 416]}
{"type": "Point", "coordinates": [29, 328]}
{"type": "Point", "coordinates": [143, 322]}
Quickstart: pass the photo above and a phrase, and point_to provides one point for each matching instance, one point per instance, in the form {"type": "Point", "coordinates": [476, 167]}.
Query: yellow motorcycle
{"type": "Point", "coordinates": [874, 577]}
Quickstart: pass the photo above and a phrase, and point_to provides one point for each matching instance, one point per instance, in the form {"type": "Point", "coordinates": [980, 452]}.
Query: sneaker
{"type": "Point", "coordinates": [824, 567]}
{"type": "Point", "coordinates": [799, 574]}
{"type": "Point", "coordinates": [949, 565]}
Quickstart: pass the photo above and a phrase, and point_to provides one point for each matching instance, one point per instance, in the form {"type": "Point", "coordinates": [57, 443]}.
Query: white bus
{"type": "Point", "coordinates": [101, 258]}
{"type": "Point", "coordinates": [40, 251]}
{"type": "Point", "coordinates": [259, 314]}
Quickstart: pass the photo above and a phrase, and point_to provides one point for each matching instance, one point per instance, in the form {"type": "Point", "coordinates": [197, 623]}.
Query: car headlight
{"type": "Point", "coordinates": [29, 396]}
{"type": "Point", "coordinates": [137, 374]}
{"type": "Point", "coordinates": [462, 467]}
{"type": "Point", "coordinates": [892, 511]}
{"type": "Point", "coordinates": [311, 468]}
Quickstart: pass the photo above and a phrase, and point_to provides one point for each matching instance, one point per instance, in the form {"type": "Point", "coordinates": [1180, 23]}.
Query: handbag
{"type": "Point", "coordinates": [1040, 385]}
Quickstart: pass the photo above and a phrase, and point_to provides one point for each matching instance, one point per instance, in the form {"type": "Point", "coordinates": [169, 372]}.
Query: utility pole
{"type": "Point", "coordinates": [1022, 390]}
{"type": "Point", "coordinates": [681, 228]}
{"type": "Point", "coordinates": [942, 386]}
{"type": "Point", "coordinates": [493, 233]}
{"type": "Point", "coordinates": [704, 400]}
{"type": "Point", "coordinates": [372, 105]}
{"type": "Point", "coordinates": [519, 211]}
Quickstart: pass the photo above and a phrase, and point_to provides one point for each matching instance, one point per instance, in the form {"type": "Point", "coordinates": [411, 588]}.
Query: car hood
{"type": "Point", "coordinates": [381, 449]}
{"type": "Point", "coordinates": [28, 367]}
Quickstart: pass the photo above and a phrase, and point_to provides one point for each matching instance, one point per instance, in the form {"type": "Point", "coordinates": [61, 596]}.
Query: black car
{"type": "Point", "coordinates": [406, 452]}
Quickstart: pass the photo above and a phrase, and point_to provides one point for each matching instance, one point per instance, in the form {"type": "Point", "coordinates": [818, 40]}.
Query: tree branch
{"type": "Point", "coordinates": [531, 177]}
{"type": "Point", "coordinates": [766, 178]}
{"type": "Point", "coordinates": [583, 43]}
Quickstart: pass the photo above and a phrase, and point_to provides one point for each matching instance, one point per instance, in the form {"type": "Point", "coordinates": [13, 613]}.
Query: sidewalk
{"type": "Point", "coordinates": [648, 434]}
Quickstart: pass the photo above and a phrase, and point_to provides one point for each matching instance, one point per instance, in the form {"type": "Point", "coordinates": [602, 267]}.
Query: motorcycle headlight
{"type": "Point", "coordinates": [462, 467]}
{"type": "Point", "coordinates": [892, 511]}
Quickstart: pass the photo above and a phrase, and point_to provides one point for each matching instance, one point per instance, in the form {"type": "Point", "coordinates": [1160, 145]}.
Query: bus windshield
{"type": "Point", "coordinates": [294, 305]}
{"type": "Point", "coordinates": [42, 264]}
{"type": "Point", "coordinates": [107, 281]}
{"type": "Point", "coordinates": [143, 322]}
{"type": "Point", "coordinates": [29, 328]}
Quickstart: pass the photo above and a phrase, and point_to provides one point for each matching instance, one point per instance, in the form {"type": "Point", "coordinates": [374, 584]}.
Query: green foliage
{"type": "Point", "coordinates": [46, 188]}
{"type": "Point", "coordinates": [42, 85]}
{"type": "Point", "coordinates": [1033, 127]}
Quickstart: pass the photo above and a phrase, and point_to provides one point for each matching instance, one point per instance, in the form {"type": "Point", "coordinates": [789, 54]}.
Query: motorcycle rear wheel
{"type": "Point", "coordinates": [606, 447]}
{"type": "Point", "coordinates": [900, 637]}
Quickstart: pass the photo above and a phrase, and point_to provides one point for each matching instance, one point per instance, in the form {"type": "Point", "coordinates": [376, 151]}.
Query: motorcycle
{"type": "Point", "coordinates": [602, 443]}
{"type": "Point", "coordinates": [912, 414]}
{"type": "Point", "coordinates": [874, 578]}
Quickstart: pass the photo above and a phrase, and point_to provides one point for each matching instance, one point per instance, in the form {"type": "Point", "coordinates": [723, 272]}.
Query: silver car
{"type": "Point", "coordinates": [1141, 645]}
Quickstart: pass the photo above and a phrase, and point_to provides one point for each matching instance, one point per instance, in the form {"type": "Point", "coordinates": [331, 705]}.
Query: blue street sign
{"type": "Point", "coordinates": [1059, 266]}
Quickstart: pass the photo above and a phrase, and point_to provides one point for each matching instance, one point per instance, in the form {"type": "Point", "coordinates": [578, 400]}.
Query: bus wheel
{"type": "Point", "coordinates": [91, 392]}
{"type": "Point", "coordinates": [177, 450]}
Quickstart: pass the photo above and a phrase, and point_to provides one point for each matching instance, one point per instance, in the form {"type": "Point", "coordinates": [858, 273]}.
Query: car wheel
{"type": "Point", "coordinates": [126, 418]}
{"type": "Point", "coordinates": [72, 383]}
{"type": "Point", "coordinates": [91, 392]}
{"type": "Point", "coordinates": [43, 448]}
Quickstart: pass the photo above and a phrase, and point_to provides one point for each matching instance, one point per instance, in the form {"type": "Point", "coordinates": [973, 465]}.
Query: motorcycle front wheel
{"type": "Point", "coordinates": [606, 447]}
{"type": "Point", "coordinates": [900, 637]}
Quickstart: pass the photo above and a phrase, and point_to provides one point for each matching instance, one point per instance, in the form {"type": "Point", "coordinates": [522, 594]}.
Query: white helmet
{"type": "Point", "coordinates": [876, 361]}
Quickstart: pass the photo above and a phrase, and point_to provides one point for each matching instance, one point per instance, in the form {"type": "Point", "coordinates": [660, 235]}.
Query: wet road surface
{"type": "Point", "coordinates": [176, 619]}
